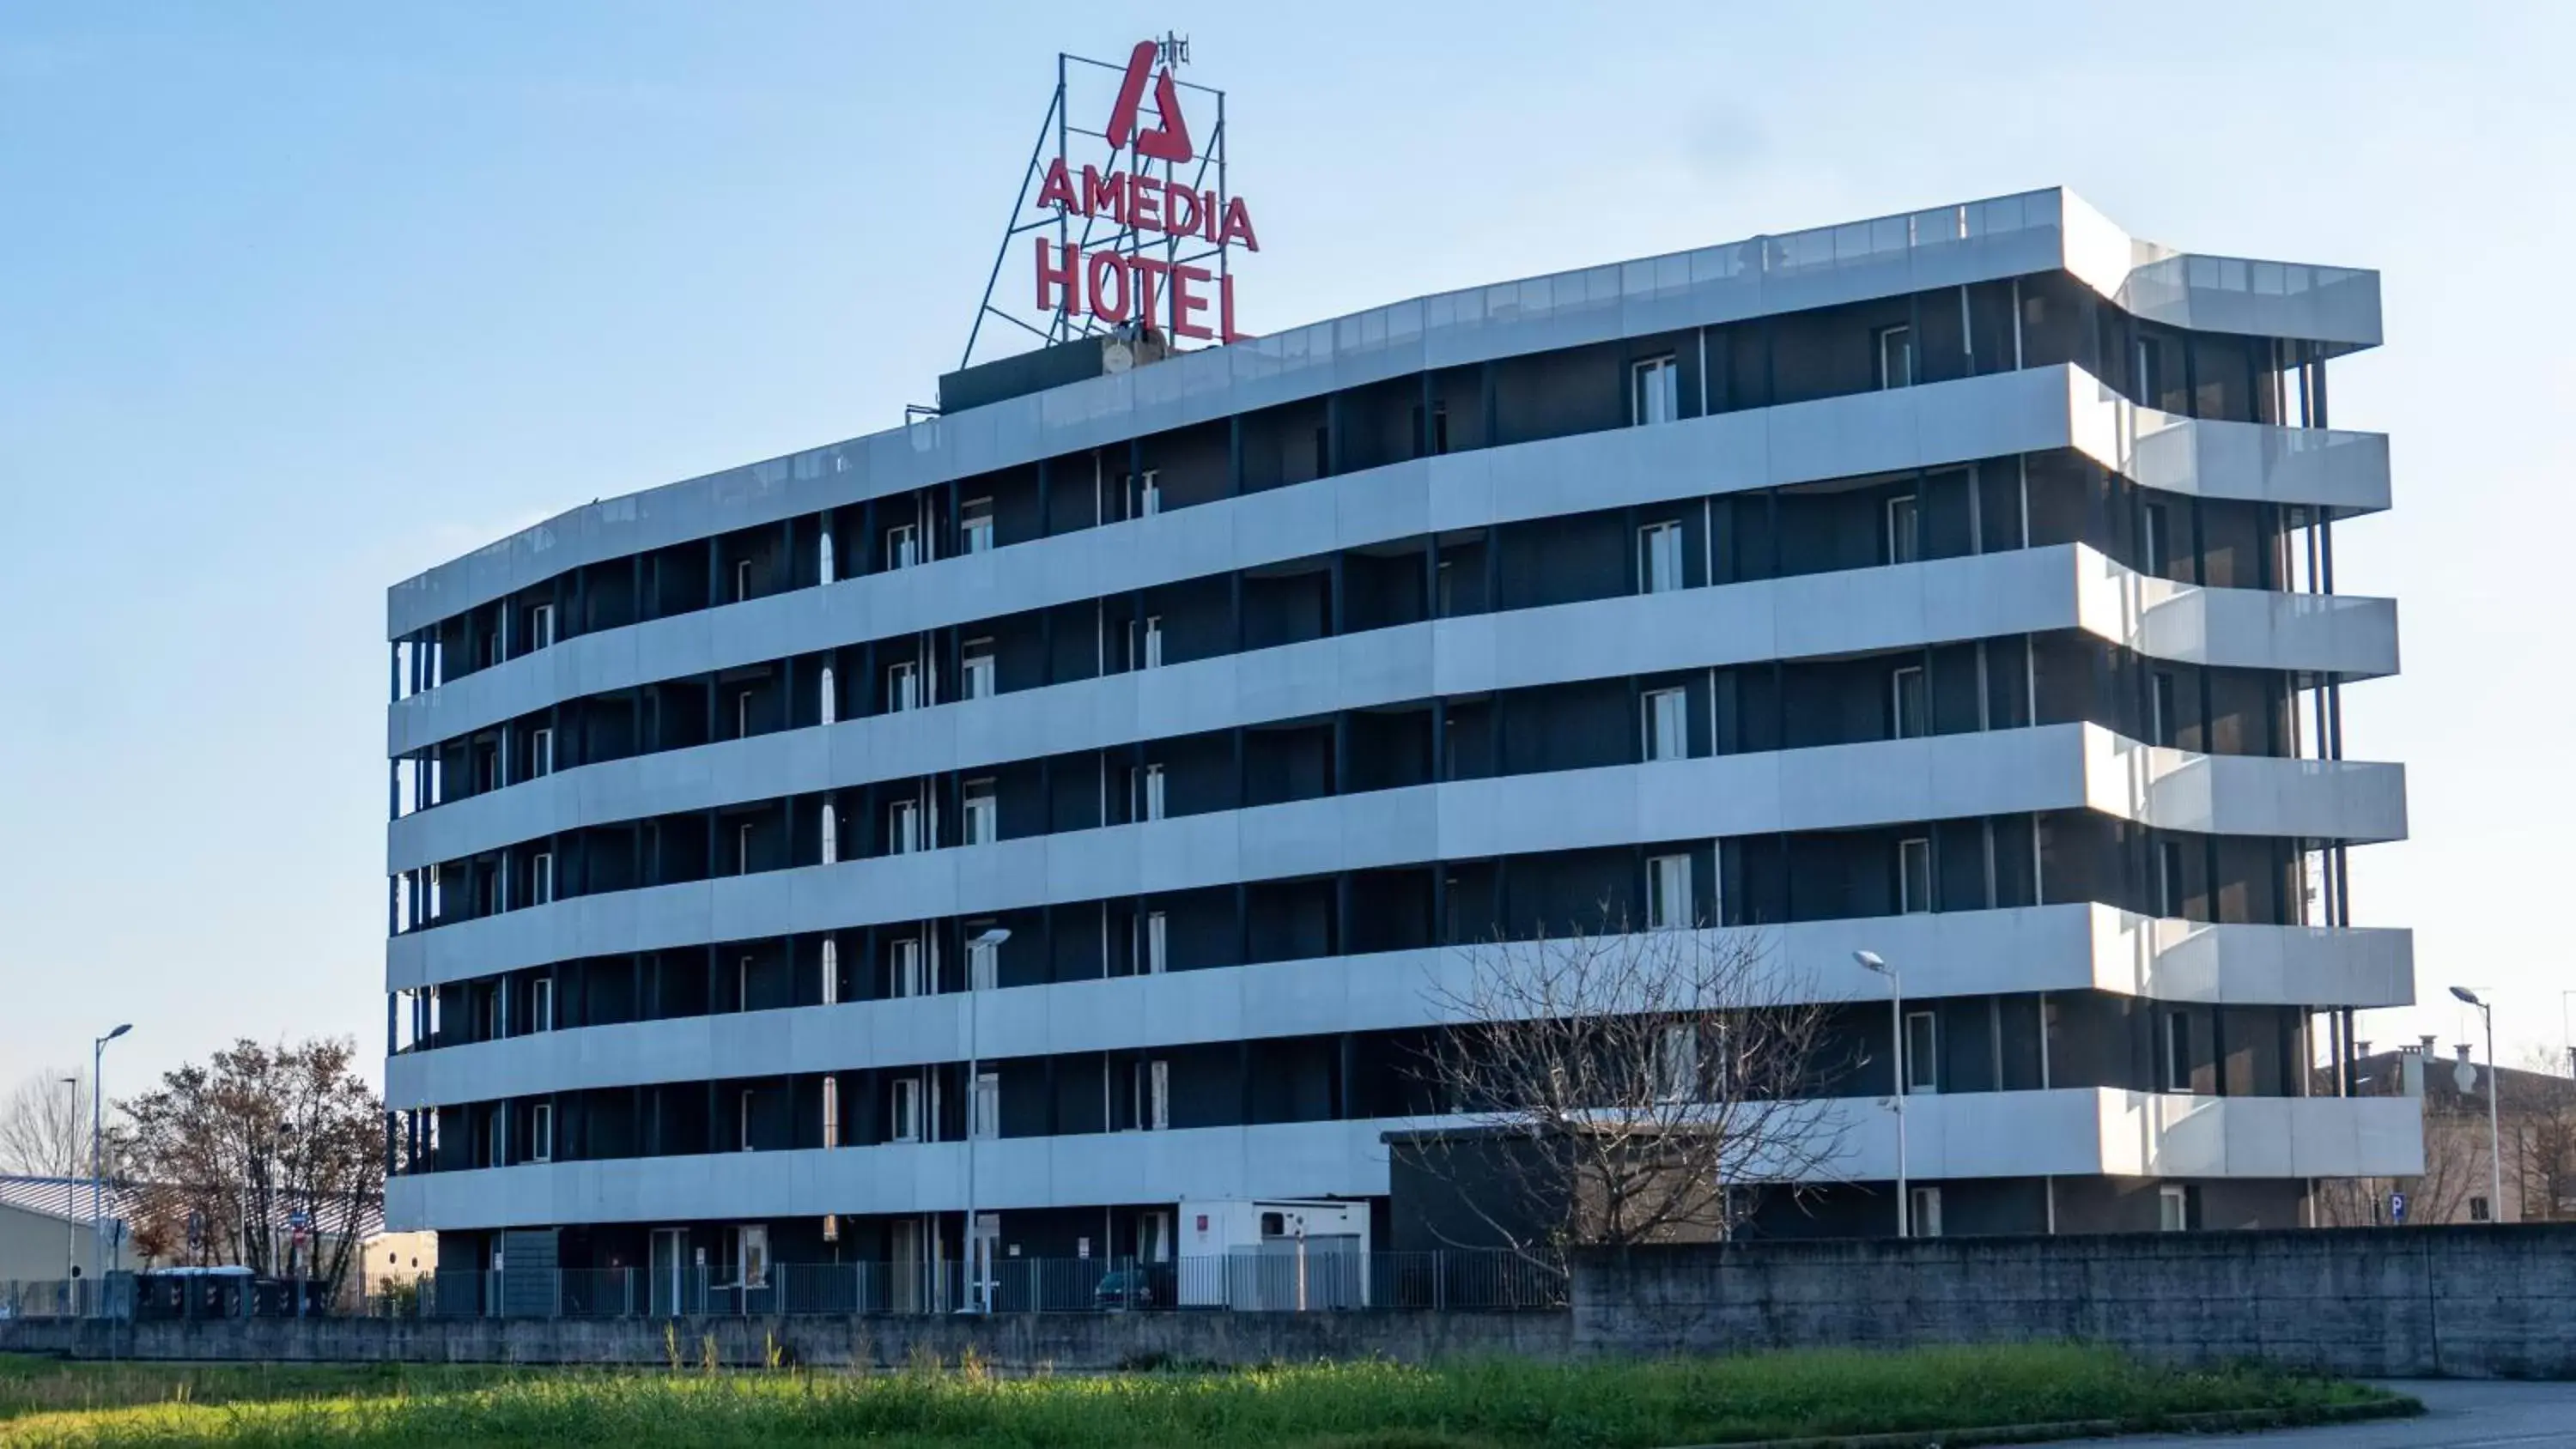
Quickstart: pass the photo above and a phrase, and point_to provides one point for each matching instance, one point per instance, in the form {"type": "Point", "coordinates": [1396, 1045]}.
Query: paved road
{"type": "Point", "coordinates": [2462, 1414]}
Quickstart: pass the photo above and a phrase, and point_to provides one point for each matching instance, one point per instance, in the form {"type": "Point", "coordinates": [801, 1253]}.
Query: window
{"type": "Point", "coordinates": [541, 1004]}
{"type": "Point", "coordinates": [1901, 539]}
{"type": "Point", "coordinates": [903, 827]}
{"type": "Point", "coordinates": [2177, 1053]}
{"type": "Point", "coordinates": [1153, 1103]}
{"type": "Point", "coordinates": [752, 1259]}
{"type": "Point", "coordinates": [1149, 652]}
{"type": "Point", "coordinates": [903, 686]}
{"type": "Point", "coordinates": [823, 559]}
{"type": "Point", "coordinates": [1896, 356]}
{"type": "Point", "coordinates": [983, 813]}
{"type": "Point", "coordinates": [904, 974]}
{"type": "Point", "coordinates": [1659, 558]}
{"type": "Point", "coordinates": [541, 752]}
{"type": "Point", "coordinates": [1922, 1052]}
{"type": "Point", "coordinates": [906, 1123]}
{"type": "Point", "coordinates": [1323, 452]}
{"type": "Point", "coordinates": [1154, 1236]}
{"type": "Point", "coordinates": [828, 827]}
{"type": "Point", "coordinates": [986, 1119]}
{"type": "Point", "coordinates": [2157, 542]}
{"type": "Point", "coordinates": [1905, 703]}
{"type": "Point", "coordinates": [831, 1111]}
{"type": "Point", "coordinates": [541, 1132]}
{"type": "Point", "coordinates": [983, 959]}
{"type": "Point", "coordinates": [975, 525]}
{"type": "Point", "coordinates": [1913, 876]}
{"type": "Point", "coordinates": [2480, 1211]}
{"type": "Point", "coordinates": [541, 878]}
{"type": "Point", "coordinates": [741, 580]}
{"type": "Point", "coordinates": [2160, 709]}
{"type": "Point", "coordinates": [496, 1136]}
{"type": "Point", "coordinates": [742, 715]}
{"type": "Point", "coordinates": [742, 1118]}
{"type": "Point", "coordinates": [1440, 427]}
{"type": "Point", "coordinates": [1924, 1212]}
{"type": "Point", "coordinates": [1156, 944]}
{"type": "Point", "coordinates": [831, 972]}
{"type": "Point", "coordinates": [742, 847]}
{"type": "Point", "coordinates": [742, 984]}
{"type": "Point", "coordinates": [976, 667]}
{"type": "Point", "coordinates": [2169, 884]}
{"type": "Point", "coordinates": [541, 626]}
{"type": "Point", "coordinates": [1149, 792]}
{"type": "Point", "coordinates": [1654, 391]}
{"type": "Point", "coordinates": [827, 699]}
{"type": "Point", "coordinates": [1144, 494]}
{"type": "Point", "coordinates": [1667, 725]}
{"type": "Point", "coordinates": [1677, 1062]}
{"type": "Point", "coordinates": [2173, 1208]}
{"type": "Point", "coordinates": [1668, 892]}
{"type": "Point", "coordinates": [2150, 372]}
{"type": "Point", "coordinates": [903, 546]}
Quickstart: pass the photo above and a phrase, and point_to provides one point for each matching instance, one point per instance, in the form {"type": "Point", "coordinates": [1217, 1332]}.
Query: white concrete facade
{"type": "Point", "coordinates": [2051, 946]}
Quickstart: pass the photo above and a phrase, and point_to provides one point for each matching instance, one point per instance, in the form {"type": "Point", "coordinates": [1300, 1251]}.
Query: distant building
{"type": "Point", "coordinates": [44, 1231]}
{"type": "Point", "coordinates": [2535, 1123]}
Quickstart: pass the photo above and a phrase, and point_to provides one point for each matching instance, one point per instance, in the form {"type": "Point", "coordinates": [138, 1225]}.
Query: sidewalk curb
{"type": "Point", "coordinates": [2222, 1421]}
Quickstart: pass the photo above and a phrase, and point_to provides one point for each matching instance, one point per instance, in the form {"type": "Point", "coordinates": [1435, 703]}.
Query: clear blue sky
{"type": "Point", "coordinates": [296, 300]}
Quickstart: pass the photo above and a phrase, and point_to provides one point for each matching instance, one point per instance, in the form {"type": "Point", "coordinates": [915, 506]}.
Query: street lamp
{"type": "Point", "coordinates": [97, 1122]}
{"type": "Point", "coordinates": [989, 939]}
{"type": "Point", "coordinates": [2495, 1135]}
{"type": "Point", "coordinates": [71, 1203]}
{"type": "Point", "coordinates": [1872, 961]}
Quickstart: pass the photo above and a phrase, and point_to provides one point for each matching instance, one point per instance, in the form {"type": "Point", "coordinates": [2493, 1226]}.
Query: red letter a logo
{"type": "Point", "coordinates": [1171, 140]}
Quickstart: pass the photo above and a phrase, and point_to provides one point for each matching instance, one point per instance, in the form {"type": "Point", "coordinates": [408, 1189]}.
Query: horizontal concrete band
{"type": "Point", "coordinates": [1908, 428]}
{"type": "Point", "coordinates": [1945, 954]}
{"type": "Point", "coordinates": [2068, 586]}
{"type": "Point", "coordinates": [1949, 246]}
{"type": "Point", "coordinates": [2053, 767]}
{"type": "Point", "coordinates": [2065, 1132]}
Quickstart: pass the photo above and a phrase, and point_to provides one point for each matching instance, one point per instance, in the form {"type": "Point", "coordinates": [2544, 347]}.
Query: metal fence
{"type": "Point", "coordinates": [1241, 1282]}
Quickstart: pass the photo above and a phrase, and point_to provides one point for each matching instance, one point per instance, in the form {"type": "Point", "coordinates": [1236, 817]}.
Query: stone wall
{"type": "Point", "coordinates": [1070, 1342]}
{"type": "Point", "coordinates": [2493, 1301]}
{"type": "Point", "coordinates": [2479, 1302]}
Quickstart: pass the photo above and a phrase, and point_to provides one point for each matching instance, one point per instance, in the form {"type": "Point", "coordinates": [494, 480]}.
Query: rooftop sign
{"type": "Point", "coordinates": [1130, 225]}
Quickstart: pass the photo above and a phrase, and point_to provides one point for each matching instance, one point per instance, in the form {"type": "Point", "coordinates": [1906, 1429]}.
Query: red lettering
{"type": "Point", "coordinates": [1181, 211]}
{"type": "Point", "coordinates": [1209, 211]}
{"type": "Point", "coordinates": [1144, 202]}
{"type": "Point", "coordinates": [1184, 304]}
{"type": "Point", "coordinates": [1057, 189]}
{"type": "Point", "coordinates": [1067, 277]}
{"type": "Point", "coordinates": [1238, 225]}
{"type": "Point", "coordinates": [1105, 265]}
{"type": "Point", "coordinates": [1225, 312]}
{"type": "Point", "coordinates": [1103, 194]}
{"type": "Point", "coordinates": [1147, 271]}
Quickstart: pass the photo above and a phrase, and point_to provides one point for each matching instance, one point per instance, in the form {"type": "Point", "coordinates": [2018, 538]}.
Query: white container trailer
{"type": "Point", "coordinates": [1274, 1254]}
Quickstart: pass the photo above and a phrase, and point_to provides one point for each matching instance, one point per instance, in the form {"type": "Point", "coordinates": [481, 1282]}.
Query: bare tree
{"type": "Point", "coordinates": [1627, 1087]}
{"type": "Point", "coordinates": [2541, 1158]}
{"type": "Point", "coordinates": [44, 1126]}
{"type": "Point", "coordinates": [241, 1146]}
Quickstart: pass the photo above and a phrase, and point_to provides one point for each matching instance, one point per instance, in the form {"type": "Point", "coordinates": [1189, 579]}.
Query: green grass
{"type": "Point", "coordinates": [1347, 1406]}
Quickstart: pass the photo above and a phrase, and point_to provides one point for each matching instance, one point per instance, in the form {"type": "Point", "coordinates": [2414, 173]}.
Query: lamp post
{"type": "Point", "coordinates": [1871, 960]}
{"type": "Point", "coordinates": [71, 1204]}
{"type": "Point", "coordinates": [990, 939]}
{"type": "Point", "coordinates": [97, 1124]}
{"type": "Point", "coordinates": [2495, 1134]}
